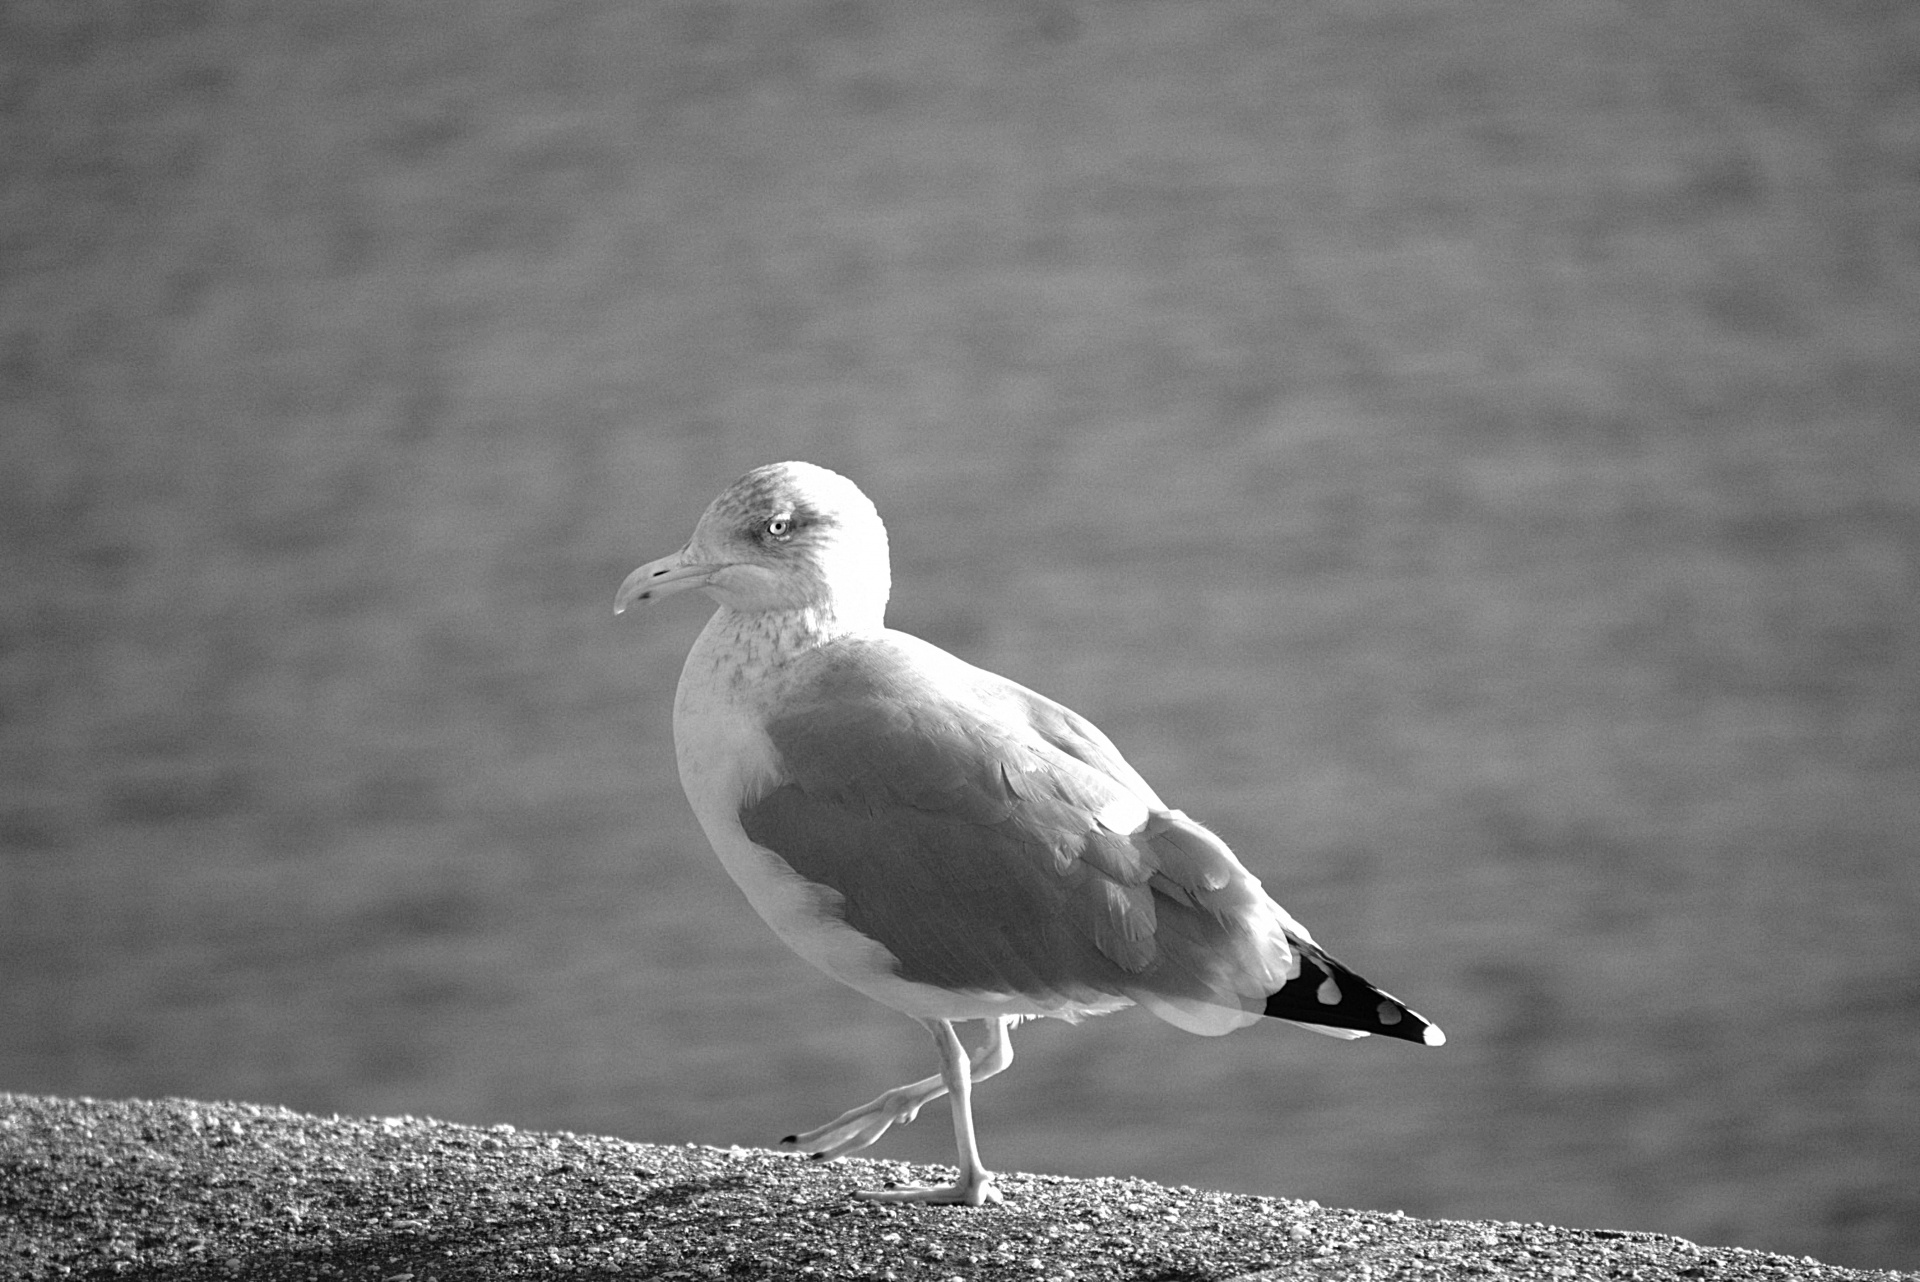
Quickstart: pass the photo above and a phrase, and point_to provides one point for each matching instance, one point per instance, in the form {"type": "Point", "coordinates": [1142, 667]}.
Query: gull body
{"type": "Point", "coordinates": [941, 838]}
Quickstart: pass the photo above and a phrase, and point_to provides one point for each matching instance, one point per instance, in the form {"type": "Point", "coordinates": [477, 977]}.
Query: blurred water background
{"type": "Point", "coordinates": [1465, 452]}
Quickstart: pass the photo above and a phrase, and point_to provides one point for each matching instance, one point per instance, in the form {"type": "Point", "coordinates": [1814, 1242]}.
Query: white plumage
{"type": "Point", "coordinates": [945, 840]}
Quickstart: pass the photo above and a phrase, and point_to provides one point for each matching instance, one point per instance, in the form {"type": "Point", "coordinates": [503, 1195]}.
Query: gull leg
{"type": "Point", "coordinates": [974, 1184]}
{"type": "Point", "coordinates": [856, 1128]}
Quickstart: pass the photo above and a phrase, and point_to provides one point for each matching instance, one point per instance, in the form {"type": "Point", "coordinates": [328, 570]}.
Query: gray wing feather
{"type": "Point", "coordinates": [970, 844]}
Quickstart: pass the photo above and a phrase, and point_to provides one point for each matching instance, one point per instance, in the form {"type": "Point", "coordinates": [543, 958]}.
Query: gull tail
{"type": "Point", "coordinates": [1328, 998]}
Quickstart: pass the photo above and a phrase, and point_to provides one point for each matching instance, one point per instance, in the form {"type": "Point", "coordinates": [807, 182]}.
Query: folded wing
{"type": "Point", "coordinates": [994, 841]}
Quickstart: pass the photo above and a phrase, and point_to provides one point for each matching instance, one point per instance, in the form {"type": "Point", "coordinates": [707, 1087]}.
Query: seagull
{"type": "Point", "coordinates": [943, 839]}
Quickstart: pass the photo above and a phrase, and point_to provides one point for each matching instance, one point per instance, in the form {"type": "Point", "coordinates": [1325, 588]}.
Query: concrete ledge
{"type": "Point", "coordinates": [177, 1190]}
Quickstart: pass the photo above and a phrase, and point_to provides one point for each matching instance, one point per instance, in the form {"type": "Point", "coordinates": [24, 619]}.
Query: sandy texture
{"type": "Point", "coordinates": [178, 1189]}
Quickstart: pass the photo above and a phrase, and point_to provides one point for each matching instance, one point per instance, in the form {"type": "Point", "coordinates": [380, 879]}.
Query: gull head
{"type": "Point", "coordinates": [784, 537]}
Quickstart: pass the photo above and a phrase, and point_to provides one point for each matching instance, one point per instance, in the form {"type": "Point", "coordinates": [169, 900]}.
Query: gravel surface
{"type": "Point", "coordinates": [178, 1189]}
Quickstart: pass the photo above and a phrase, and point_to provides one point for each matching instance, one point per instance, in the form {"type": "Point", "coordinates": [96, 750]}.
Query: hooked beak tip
{"type": "Point", "coordinates": [659, 578]}
{"type": "Point", "coordinates": [629, 593]}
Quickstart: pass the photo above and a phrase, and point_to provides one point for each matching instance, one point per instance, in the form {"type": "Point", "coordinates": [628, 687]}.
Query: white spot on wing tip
{"type": "Point", "coordinates": [1433, 1036]}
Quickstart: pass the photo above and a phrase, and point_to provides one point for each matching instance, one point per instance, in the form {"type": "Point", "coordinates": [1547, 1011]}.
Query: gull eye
{"type": "Point", "coordinates": [779, 527]}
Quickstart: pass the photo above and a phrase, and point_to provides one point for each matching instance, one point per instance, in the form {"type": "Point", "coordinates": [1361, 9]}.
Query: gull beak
{"type": "Point", "coordinates": [655, 579]}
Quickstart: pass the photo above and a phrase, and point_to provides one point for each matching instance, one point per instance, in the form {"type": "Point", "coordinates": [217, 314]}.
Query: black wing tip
{"type": "Point", "coordinates": [1328, 994]}
{"type": "Point", "coordinates": [1425, 1033]}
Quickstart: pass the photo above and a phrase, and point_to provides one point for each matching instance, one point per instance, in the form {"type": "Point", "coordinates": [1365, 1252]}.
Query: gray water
{"type": "Point", "coordinates": [1463, 456]}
